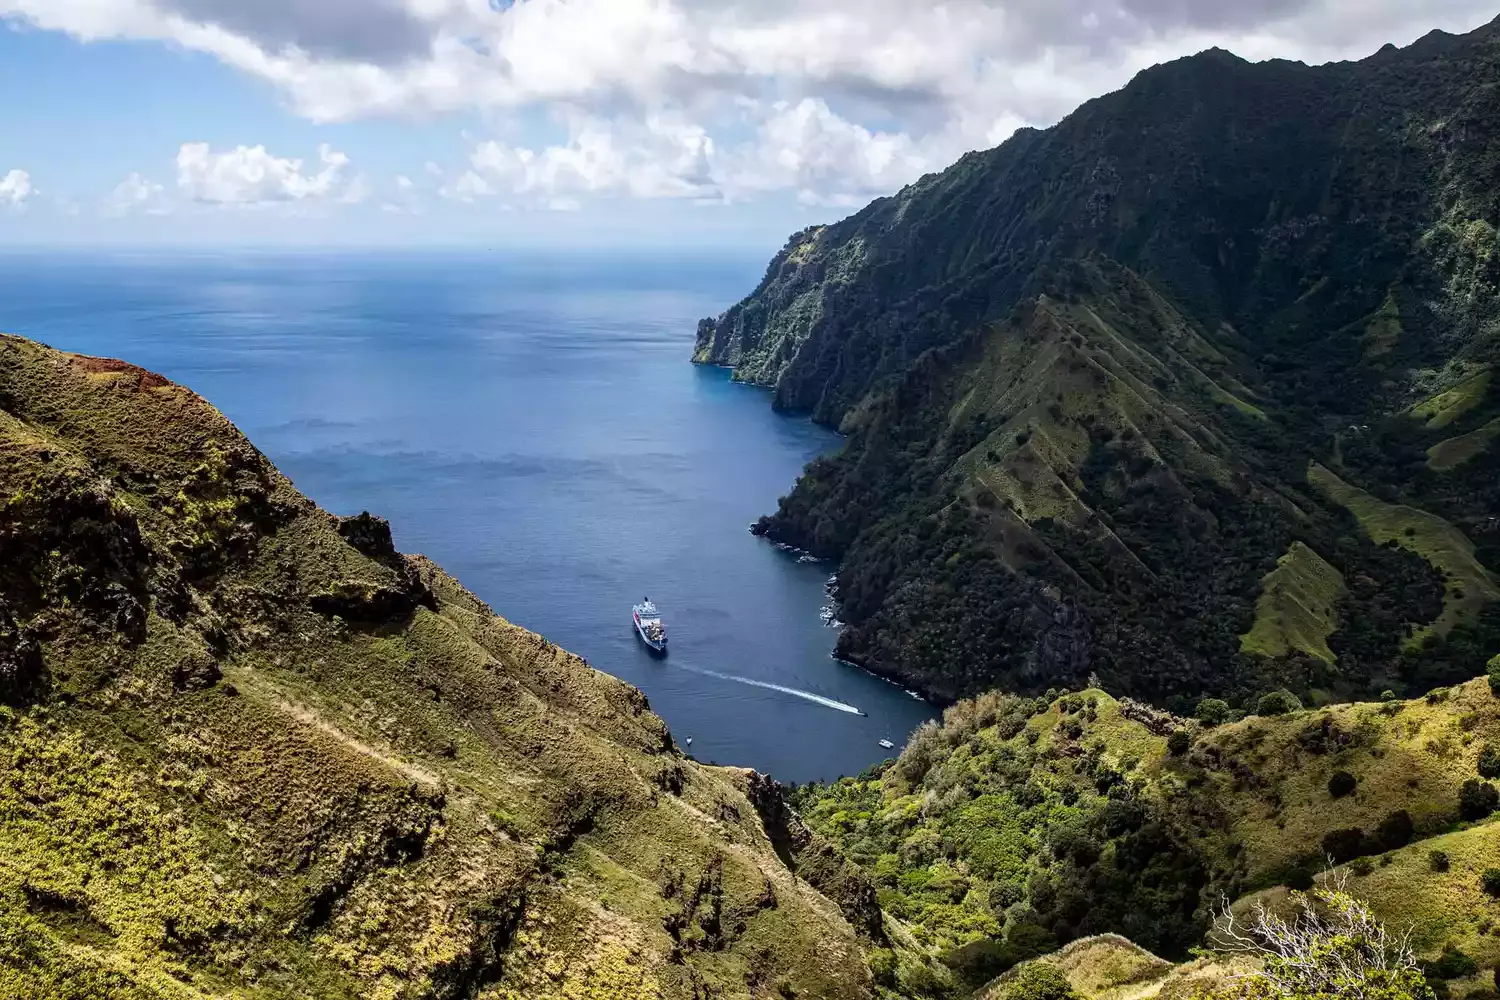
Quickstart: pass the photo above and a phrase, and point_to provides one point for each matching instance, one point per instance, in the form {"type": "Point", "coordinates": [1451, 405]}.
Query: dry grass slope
{"type": "Point", "coordinates": [1448, 406]}
{"type": "Point", "coordinates": [1110, 967]}
{"type": "Point", "coordinates": [253, 752]}
{"type": "Point", "coordinates": [1297, 608]}
{"type": "Point", "coordinates": [1469, 586]}
{"type": "Point", "coordinates": [1450, 454]}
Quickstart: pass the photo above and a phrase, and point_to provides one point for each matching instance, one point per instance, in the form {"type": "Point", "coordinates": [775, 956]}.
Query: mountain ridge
{"type": "Point", "coordinates": [253, 752]}
{"type": "Point", "coordinates": [1322, 242]}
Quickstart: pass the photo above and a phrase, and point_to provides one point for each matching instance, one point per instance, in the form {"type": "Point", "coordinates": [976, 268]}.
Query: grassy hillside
{"type": "Point", "coordinates": [1083, 376]}
{"type": "Point", "coordinates": [1470, 586]}
{"type": "Point", "coordinates": [1022, 824]}
{"type": "Point", "coordinates": [1297, 608]}
{"type": "Point", "coordinates": [1449, 454]}
{"type": "Point", "coordinates": [1109, 967]}
{"type": "Point", "coordinates": [254, 752]}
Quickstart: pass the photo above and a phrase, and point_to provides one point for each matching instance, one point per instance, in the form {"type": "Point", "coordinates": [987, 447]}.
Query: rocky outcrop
{"type": "Point", "coordinates": [814, 859]}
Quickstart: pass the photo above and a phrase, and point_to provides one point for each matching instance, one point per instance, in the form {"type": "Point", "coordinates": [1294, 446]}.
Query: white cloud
{"type": "Point", "coordinates": [659, 158]}
{"type": "Point", "coordinates": [406, 199]}
{"type": "Point", "coordinates": [468, 187]}
{"type": "Point", "coordinates": [845, 98]}
{"type": "Point", "coordinates": [249, 175]}
{"type": "Point", "coordinates": [826, 159]}
{"type": "Point", "coordinates": [804, 147]}
{"type": "Point", "coordinates": [15, 189]}
{"type": "Point", "coordinates": [137, 194]}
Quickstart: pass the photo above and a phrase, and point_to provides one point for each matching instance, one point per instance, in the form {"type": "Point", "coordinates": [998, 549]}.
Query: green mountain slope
{"type": "Point", "coordinates": [1022, 824]}
{"type": "Point", "coordinates": [1083, 376]}
{"type": "Point", "coordinates": [253, 752]}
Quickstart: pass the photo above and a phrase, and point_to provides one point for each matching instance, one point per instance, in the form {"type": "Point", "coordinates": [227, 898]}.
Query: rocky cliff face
{"type": "Point", "coordinates": [1084, 375]}
{"type": "Point", "coordinates": [253, 751]}
{"type": "Point", "coordinates": [1235, 188]}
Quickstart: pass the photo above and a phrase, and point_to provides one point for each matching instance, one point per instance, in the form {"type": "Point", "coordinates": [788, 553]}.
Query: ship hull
{"type": "Point", "coordinates": [656, 646]}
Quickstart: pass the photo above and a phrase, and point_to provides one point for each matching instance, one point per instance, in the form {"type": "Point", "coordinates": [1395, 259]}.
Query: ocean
{"type": "Point", "coordinates": [532, 423]}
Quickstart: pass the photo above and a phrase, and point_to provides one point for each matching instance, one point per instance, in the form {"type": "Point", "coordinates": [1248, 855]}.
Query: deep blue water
{"type": "Point", "coordinates": [532, 424]}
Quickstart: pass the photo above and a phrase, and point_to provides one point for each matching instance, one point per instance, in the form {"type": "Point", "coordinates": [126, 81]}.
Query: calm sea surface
{"type": "Point", "coordinates": [533, 424]}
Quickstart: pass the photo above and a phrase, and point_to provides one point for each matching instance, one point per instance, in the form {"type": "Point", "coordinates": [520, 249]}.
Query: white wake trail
{"type": "Point", "coordinates": [817, 699]}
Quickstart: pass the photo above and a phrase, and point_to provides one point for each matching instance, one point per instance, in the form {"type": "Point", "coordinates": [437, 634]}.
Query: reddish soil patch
{"type": "Point", "coordinates": [145, 379]}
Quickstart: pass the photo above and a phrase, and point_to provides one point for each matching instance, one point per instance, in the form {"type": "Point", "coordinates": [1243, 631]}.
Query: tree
{"type": "Point", "coordinates": [1278, 703]}
{"type": "Point", "coordinates": [1341, 784]}
{"type": "Point", "coordinates": [1344, 845]}
{"type": "Point", "coordinates": [1332, 948]}
{"type": "Point", "coordinates": [1452, 964]}
{"type": "Point", "coordinates": [1493, 672]}
{"type": "Point", "coordinates": [1213, 711]}
{"type": "Point", "coordinates": [1395, 830]}
{"type": "Point", "coordinates": [1489, 762]}
{"type": "Point", "coordinates": [1178, 742]}
{"type": "Point", "coordinates": [1037, 981]}
{"type": "Point", "coordinates": [1477, 799]}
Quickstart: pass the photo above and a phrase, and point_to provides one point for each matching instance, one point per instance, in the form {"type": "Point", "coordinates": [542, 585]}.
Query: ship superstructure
{"type": "Point", "coordinates": [649, 626]}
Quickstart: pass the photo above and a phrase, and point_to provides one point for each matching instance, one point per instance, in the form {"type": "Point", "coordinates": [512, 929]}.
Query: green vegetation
{"type": "Point", "coordinates": [1333, 947]}
{"type": "Point", "coordinates": [1297, 608]}
{"type": "Point", "coordinates": [1449, 454]}
{"type": "Point", "coordinates": [1022, 824]}
{"type": "Point", "coordinates": [1383, 333]}
{"type": "Point", "coordinates": [253, 752]}
{"type": "Point", "coordinates": [1078, 434]}
{"type": "Point", "coordinates": [1470, 586]}
{"type": "Point", "coordinates": [1447, 407]}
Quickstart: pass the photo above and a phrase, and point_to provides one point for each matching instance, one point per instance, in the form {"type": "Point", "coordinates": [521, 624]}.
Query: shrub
{"type": "Point", "coordinates": [1344, 845]}
{"type": "Point", "coordinates": [1394, 831]}
{"type": "Point", "coordinates": [1490, 881]}
{"type": "Point", "coordinates": [1493, 672]}
{"type": "Point", "coordinates": [1388, 695]}
{"type": "Point", "coordinates": [1004, 895]}
{"type": "Point", "coordinates": [1453, 964]}
{"type": "Point", "coordinates": [1361, 866]}
{"type": "Point", "coordinates": [1489, 762]}
{"type": "Point", "coordinates": [918, 979]}
{"type": "Point", "coordinates": [1179, 742]}
{"type": "Point", "coordinates": [883, 966]}
{"type": "Point", "coordinates": [1332, 949]}
{"type": "Point", "coordinates": [1341, 784]}
{"type": "Point", "coordinates": [1213, 711]}
{"type": "Point", "coordinates": [1277, 703]}
{"type": "Point", "coordinates": [1477, 799]}
{"type": "Point", "coordinates": [1438, 861]}
{"type": "Point", "coordinates": [1037, 981]}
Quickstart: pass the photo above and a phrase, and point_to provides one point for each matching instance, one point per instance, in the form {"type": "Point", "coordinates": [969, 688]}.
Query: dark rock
{"type": "Point", "coordinates": [816, 861]}
{"type": "Point", "coordinates": [370, 536]}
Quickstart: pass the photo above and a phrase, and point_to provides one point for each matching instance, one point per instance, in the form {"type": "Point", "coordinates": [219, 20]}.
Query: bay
{"type": "Point", "coordinates": [532, 423]}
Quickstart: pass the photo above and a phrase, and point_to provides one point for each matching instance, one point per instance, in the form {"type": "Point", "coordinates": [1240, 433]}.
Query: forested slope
{"type": "Point", "coordinates": [1020, 824]}
{"type": "Point", "coordinates": [1089, 378]}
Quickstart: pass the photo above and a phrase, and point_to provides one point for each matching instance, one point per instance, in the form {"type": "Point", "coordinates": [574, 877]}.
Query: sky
{"type": "Point", "coordinates": [686, 123]}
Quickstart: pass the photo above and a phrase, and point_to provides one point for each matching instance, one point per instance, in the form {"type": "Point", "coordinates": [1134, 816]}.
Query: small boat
{"type": "Point", "coordinates": [649, 626]}
{"type": "Point", "coordinates": [689, 741]}
{"type": "Point", "coordinates": [888, 744]}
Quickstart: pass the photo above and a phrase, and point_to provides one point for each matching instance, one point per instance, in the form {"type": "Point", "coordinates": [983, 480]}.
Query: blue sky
{"type": "Point", "coordinates": [569, 122]}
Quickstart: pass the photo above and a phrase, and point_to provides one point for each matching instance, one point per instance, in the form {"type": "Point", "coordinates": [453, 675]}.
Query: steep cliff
{"type": "Point", "coordinates": [1085, 374]}
{"type": "Point", "coordinates": [254, 752]}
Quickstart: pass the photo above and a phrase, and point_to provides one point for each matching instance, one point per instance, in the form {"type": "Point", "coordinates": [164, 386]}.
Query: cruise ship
{"type": "Point", "coordinates": [649, 626]}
